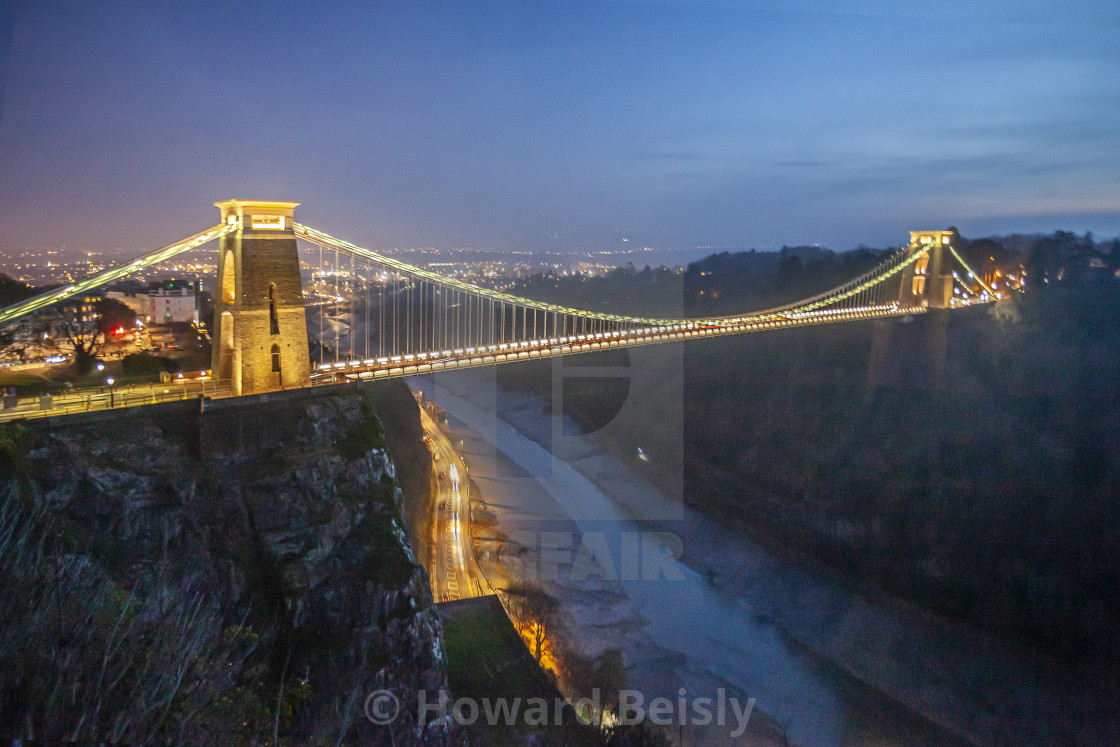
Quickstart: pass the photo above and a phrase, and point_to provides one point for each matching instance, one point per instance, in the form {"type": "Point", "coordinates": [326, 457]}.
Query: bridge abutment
{"type": "Point", "coordinates": [260, 327]}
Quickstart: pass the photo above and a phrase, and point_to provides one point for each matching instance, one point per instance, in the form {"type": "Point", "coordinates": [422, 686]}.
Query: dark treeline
{"type": "Point", "coordinates": [719, 284]}
{"type": "Point", "coordinates": [13, 291]}
{"type": "Point", "coordinates": [732, 283]}
{"type": "Point", "coordinates": [968, 461]}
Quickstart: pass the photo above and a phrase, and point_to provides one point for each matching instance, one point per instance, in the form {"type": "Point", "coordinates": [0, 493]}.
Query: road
{"type": "Point", "coordinates": [453, 570]}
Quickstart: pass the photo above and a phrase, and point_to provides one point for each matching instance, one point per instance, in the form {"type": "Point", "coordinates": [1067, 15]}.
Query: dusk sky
{"type": "Point", "coordinates": [533, 125]}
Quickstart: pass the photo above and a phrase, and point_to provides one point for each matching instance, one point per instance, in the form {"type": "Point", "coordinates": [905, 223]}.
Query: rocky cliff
{"type": "Point", "coordinates": [166, 580]}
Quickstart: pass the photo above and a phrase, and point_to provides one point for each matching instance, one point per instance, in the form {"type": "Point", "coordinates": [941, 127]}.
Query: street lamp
{"type": "Point", "coordinates": [112, 399]}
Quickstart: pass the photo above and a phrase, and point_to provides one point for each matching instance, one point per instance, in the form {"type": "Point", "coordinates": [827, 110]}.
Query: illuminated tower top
{"type": "Point", "coordinates": [933, 237]}
{"type": "Point", "coordinates": [258, 215]}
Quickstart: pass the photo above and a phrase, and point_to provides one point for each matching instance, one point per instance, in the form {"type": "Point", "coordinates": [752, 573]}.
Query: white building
{"type": "Point", "coordinates": [174, 303]}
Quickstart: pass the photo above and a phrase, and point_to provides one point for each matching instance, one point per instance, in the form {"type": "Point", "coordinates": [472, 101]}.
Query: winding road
{"type": "Point", "coordinates": [453, 570]}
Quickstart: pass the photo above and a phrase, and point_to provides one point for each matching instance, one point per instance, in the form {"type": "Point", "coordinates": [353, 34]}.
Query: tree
{"type": "Point", "coordinates": [87, 332]}
{"type": "Point", "coordinates": [608, 674]}
{"type": "Point", "coordinates": [534, 613]}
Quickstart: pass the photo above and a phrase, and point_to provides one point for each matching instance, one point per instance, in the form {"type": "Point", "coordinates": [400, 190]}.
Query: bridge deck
{"type": "Point", "coordinates": [342, 372]}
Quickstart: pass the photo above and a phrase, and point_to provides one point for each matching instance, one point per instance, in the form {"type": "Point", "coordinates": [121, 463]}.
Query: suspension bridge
{"type": "Point", "coordinates": [388, 318]}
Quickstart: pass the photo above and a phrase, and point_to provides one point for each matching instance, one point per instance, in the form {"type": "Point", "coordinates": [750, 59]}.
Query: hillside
{"type": "Point", "coordinates": [236, 576]}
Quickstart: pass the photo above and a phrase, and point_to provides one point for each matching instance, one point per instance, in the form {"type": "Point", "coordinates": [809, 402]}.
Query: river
{"type": "Point", "coordinates": [680, 630]}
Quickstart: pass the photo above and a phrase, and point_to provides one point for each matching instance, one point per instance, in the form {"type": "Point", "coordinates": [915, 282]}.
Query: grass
{"type": "Point", "coordinates": [28, 384]}
{"type": "Point", "coordinates": [486, 658]}
{"type": "Point", "coordinates": [475, 646]}
{"type": "Point", "coordinates": [63, 377]}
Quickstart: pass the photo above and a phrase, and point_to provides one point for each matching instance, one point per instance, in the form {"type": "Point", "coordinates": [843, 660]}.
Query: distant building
{"type": "Point", "coordinates": [131, 295]}
{"type": "Point", "coordinates": [172, 302]}
{"type": "Point", "coordinates": [81, 308]}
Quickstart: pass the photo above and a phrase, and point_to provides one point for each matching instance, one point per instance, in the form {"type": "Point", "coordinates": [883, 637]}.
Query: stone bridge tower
{"type": "Point", "coordinates": [260, 328]}
{"type": "Point", "coordinates": [928, 281]}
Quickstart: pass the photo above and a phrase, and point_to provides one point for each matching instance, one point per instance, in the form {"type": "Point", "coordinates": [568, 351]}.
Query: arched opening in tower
{"type": "Point", "coordinates": [229, 279]}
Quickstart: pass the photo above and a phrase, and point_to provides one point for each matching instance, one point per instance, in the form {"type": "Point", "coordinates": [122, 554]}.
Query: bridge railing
{"type": "Point", "coordinates": [106, 398]}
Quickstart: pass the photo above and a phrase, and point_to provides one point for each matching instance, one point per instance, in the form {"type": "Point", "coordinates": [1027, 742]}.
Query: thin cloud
{"type": "Point", "coordinates": [657, 156]}
{"type": "Point", "coordinates": [802, 164]}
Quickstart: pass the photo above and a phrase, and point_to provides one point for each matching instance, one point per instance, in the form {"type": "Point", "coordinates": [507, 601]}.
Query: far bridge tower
{"type": "Point", "coordinates": [928, 281]}
{"type": "Point", "coordinates": [260, 327]}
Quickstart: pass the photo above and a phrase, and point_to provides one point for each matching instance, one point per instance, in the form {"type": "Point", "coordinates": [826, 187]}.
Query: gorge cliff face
{"type": "Point", "coordinates": [235, 575]}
